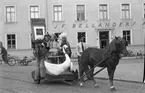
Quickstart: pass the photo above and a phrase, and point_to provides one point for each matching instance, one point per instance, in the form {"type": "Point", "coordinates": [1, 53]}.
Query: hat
{"type": "Point", "coordinates": [62, 35]}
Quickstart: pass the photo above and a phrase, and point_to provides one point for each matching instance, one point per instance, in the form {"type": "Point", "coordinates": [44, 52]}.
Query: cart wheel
{"type": "Point", "coordinates": [11, 61]}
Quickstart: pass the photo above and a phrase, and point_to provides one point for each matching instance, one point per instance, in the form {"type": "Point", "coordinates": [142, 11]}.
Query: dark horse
{"type": "Point", "coordinates": [109, 57]}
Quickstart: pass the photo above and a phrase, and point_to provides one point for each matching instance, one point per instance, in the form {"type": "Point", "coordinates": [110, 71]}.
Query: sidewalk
{"type": "Point", "coordinates": [123, 58]}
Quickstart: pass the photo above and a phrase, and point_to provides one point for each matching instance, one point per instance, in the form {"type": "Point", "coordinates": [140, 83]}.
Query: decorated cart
{"type": "Point", "coordinates": [55, 71]}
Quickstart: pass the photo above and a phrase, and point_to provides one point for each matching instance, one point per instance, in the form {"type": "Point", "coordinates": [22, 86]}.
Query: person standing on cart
{"type": "Point", "coordinates": [3, 53]}
{"type": "Point", "coordinates": [63, 41]}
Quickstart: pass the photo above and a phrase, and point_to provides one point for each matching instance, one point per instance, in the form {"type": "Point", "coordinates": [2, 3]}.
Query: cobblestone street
{"type": "Point", "coordinates": [17, 79]}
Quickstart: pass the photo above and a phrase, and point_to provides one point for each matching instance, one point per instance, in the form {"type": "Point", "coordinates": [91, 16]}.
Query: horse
{"type": "Point", "coordinates": [110, 58]}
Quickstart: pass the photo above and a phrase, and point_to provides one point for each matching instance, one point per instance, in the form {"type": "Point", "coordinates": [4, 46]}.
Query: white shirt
{"type": "Point", "coordinates": [79, 48]}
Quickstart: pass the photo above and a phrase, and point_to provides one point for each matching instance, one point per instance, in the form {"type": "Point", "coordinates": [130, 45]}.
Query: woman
{"type": "Point", "coordinates": [54, 46]}
{"type": "Point", "coordinates": [65, 42]}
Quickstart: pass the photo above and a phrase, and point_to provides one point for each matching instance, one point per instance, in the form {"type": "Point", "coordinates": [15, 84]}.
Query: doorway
{"type": "Point", "coordinates": [104, 39]}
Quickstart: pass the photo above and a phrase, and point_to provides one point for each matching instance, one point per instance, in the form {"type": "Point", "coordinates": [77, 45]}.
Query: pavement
{"type": "Point", "coordinates": [17, 79]}
{"type": "Point", "coordinates": [129, 69]}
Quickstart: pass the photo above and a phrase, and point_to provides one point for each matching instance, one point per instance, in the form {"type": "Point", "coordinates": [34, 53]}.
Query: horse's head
{"type": "Point", "coordinates": [120, 45]}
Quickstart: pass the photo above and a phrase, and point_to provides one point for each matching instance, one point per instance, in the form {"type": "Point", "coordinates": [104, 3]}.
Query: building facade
{"type": "Point", "coordinates": [98, 20]}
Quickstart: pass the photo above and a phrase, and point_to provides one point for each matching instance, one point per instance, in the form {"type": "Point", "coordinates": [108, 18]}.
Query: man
{"type": "Point", "coordinates": [81, 46]}
{"type": "Point", "coordinates": [3, 53]}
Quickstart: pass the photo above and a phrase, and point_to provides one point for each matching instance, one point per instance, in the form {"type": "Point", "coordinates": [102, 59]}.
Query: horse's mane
{"type": "Point", "coordinates": [111, 48]}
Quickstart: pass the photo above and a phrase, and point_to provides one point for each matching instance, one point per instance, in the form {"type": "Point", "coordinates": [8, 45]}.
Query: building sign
{"type": "Point", "coordinates": [38, 28]}
{"type": "Point", "coordinates": [97, 25]}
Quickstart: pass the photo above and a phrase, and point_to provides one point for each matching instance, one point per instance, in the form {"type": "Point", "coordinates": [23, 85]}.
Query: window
{"type": "Point", "coordinates": [11, 41]}
{"type": "Point", "coordinates": [80, 12]}
{"type": "Point", "coordinates": [34, 12]}
{"type": "Point", "coordinates": [125, 11]}
{"type": "Point", "coordinates": [81, 34]}
{"type": "Point", "coordinates": [57, 13]}
{"type": "Point", "coordinates": [103, 11]}
{"type": "Point", "coordinates": [127, 36]}
{"type": "Point", "coordinates": [144, 10]}
{"type": "Point", "coordinates": [10, 14]}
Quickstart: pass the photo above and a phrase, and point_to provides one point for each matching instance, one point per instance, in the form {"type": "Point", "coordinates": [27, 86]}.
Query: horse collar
{"type": "Point", "coordinates": [115, 55]}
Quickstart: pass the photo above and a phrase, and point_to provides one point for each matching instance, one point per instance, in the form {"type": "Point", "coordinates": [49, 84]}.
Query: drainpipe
{"type": "Point", "coordinates": [46, 2]}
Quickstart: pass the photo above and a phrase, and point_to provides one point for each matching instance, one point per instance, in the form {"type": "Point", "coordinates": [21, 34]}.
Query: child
{"type": "Point", "coordinates": [3, 53]}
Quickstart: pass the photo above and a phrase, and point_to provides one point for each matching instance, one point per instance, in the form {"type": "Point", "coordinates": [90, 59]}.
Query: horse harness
{"type": "Point", "coordinates": [114, 56]}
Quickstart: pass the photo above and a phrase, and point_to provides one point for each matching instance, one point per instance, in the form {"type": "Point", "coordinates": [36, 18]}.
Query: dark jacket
{"type": "Point", "coordinates": [69, 52]}
{"type": "Point", "coordinates": [4, 54]}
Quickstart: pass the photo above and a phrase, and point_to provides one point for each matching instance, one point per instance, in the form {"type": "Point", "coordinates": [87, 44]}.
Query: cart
{"type": "Point", "coordinates": [68, 76]}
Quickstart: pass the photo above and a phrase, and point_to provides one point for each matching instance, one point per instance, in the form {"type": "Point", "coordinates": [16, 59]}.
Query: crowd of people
{"type": "Point", "coordinates": [54, 45]}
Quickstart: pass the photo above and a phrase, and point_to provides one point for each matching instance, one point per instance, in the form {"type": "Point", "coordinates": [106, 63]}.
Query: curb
{"type": "Point", "coordinates": [123, 58]}
{"type": "Point", "coordinates": [129, 81]}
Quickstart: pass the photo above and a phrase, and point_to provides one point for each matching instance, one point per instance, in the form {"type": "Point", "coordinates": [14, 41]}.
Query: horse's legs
{"type": "Point", "coordinates": [111, 77]}
{"type": "Point", "coordinates": [92, 77]}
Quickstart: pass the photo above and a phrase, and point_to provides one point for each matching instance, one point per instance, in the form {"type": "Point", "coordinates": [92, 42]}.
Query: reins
{"type": "Point", "coordinates": [92, 69]}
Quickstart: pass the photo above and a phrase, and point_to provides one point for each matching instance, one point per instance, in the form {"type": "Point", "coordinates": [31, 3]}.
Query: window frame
{"type": "Point", "coordinates": [127, 35]}
{"type": "Point", "coordinates": [76, 9]}
{"type": "Point", "coordinates": [7, 41]}
{"type": "Point", "coordinates": [107, 17]}
{"type": "Point", "coordinates": [85, 36]}
{"type": "Point", "coordinates": [15, 13]}
{"type": "Point", "coordinates": [34, 12]}
{"type": "Point", "coordinates": [143, 9]}
{"type": "Point", "coordinates": [53, 14]}
{"type": "Point", "coordinates": [121, 7]}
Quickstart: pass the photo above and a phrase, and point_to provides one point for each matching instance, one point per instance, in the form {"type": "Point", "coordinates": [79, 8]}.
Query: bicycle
{"type": "Point", "coordinates": [139, 54]}
{"type": "Point", "coordinates": [11, 60]}
{"type": "Point", "coordinates": [23, 62]}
